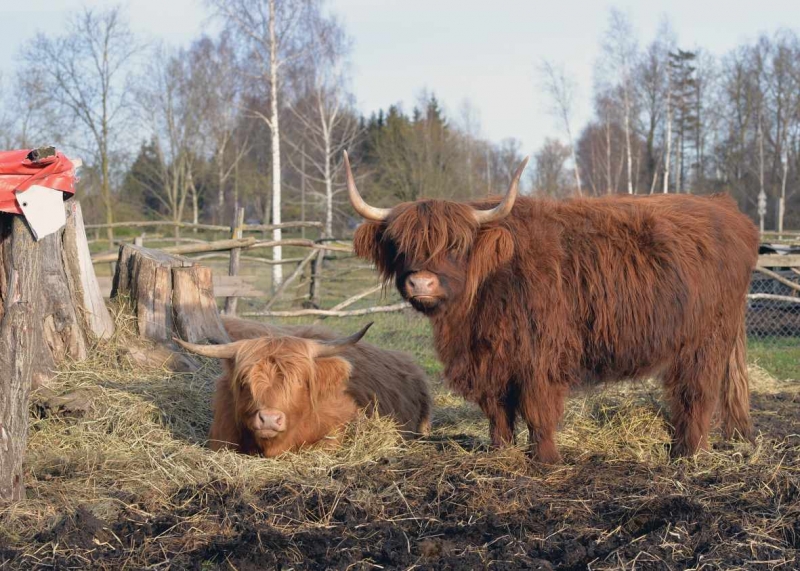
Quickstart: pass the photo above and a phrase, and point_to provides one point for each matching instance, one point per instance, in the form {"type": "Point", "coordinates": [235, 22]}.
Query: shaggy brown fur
{"type": "Point", "coordinates": [586, 290]}
{"type": "Point", "coordinates": [274, 368]}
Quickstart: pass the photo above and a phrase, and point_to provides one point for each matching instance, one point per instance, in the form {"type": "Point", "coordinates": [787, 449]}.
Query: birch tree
{"type": "Point", "coordinates": [328, 126]}
{"type": "Point", "coordinates": [326, 121]}
{"type": "Point", "coordinates": [272, 35]}
{"type": "Point", "coordinates": [561, 89]}
{"type": "Point", "coordinates": [619, 48]}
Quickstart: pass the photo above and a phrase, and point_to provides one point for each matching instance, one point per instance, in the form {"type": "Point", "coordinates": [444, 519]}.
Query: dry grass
{"type": "Point", "coordinates": [131, 485]}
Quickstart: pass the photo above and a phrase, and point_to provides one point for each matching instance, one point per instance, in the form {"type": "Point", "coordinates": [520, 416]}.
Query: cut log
{"type": "Point", "coordinates": [145, 276]}
{"type": "Point", "coordinates": [196, 314]}
{"type": "Point", "coordinates": [170, 296]}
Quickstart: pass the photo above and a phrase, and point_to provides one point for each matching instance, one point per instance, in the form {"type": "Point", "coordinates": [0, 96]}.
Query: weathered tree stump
{"type": "Point", "coordinates": [170, 295]}
{"type": "Point", "coordinates": [20, 337]}
{"type": "Point", "coordinates": [51, 309]}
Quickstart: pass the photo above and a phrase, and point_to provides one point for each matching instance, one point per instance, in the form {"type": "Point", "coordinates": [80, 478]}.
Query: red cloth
{"type": "Point", "coordinates": [18, 173]}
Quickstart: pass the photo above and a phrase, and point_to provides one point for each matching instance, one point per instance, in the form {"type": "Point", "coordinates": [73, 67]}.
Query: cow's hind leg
{"type": "Point", "coordinates": [692, 385]}
{"type": "Point", "coordinates": [542, 410]}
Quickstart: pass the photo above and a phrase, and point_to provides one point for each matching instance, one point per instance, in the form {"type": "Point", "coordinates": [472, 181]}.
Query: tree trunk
{"type": "Point", "coordinates": [328, 192]}
{"type": "Point", "coordinates": [628, 144]}
{"type": "Point", "coordinates": [277, 252]}
{"type": "Point", "coordinates": [667, 154]}
{"type": "Point", "coordinates": [761, 161]}
{"type": "Point", "coordinates": [51, 308]}
{"type": "Point", "coordinates": [575, 163]}
{"type": "Point", "coordinates": [679, 162]}
{"type": "Point", "coordinates": [608, 154]}
{"type": "Point", "coordinates": [303, 191]}
{"type": "Point", "coordinates": [220, 214]}
{"type": "Point", "coordinates": [169, 296]}
{"type": "Point", "coordinates": [20, 337]}
{"type": "Point", "coordinates": [782, 199]}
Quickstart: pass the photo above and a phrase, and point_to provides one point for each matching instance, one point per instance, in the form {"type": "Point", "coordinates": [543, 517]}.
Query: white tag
{"type": "Point", "coordinates": [44, 209]}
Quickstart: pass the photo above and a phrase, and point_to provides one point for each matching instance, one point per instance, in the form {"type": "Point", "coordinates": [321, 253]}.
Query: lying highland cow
{"type": "Point", "coordinates": [284, 388]}
{"type": "Point", "coordinates": [529, 297]}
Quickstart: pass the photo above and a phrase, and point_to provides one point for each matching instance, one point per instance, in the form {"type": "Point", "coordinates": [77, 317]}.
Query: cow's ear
{"type": "Point", "coordinates": [331, 373]}
{"type": "Point", "coordinates": [366, 240]}
{"type": "Point", "coordinates": [493, 248]}
{"type": "Point", "coordinates": [367, 244]}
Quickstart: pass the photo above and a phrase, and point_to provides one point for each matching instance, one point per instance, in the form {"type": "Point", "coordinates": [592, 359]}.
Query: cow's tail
{"type": "Point", "coordinates": [735, 397]}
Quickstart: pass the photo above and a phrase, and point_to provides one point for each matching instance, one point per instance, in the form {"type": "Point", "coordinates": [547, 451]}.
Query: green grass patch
{"type": "Point", "coordinates": [780, 356]}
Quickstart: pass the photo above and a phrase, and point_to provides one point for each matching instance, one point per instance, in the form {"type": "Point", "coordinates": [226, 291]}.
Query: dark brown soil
{"type": "Point", "coordinates": [448, 509]}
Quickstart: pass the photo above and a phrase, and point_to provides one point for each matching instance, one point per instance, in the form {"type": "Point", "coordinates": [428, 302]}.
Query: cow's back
{"type": "Point", "coordinates": [628, 282]}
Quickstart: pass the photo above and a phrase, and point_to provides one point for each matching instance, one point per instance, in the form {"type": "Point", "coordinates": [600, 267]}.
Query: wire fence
{"type": "Point", "coordinates": [773, 307]}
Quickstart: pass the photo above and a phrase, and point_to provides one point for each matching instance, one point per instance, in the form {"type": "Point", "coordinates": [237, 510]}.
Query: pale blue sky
{"type": "Point", "coordinates": [486, 52]}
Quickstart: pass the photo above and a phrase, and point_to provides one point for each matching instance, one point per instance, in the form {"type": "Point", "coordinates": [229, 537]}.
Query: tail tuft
{"type": "Point", "coordinates": [735, 397]}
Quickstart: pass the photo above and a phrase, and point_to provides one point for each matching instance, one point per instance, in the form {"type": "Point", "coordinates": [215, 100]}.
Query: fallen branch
{"type": "Point", "coordinates": [777, 277]}
{"type": "Point", "coordinates": [773, 297]}
{"type": "Point", "coordinates": [290, 279]}
{"type": "Point", "coordinates": [148, 223]}
{"type": "Point", "coordinates": [351, 300]}
{"type": "Point", "coordinates": [248, 259]}
{"type": "Point", "coordinates": [332, 313]}
{"type": "Point", "coordinates": [282, 225]}
{"type": "Point", "coordinates": [298, 242]}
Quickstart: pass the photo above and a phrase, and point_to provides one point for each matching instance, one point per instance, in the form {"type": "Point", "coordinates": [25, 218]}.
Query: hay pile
{"type": "Point", "coordinates": [128, 483]}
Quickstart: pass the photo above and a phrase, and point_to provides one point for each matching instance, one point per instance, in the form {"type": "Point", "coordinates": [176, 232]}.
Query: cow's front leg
{"type": "Point", "coordinates": [501, 417]}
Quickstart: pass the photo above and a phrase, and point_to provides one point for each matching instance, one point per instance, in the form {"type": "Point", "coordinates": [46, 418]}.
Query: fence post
{"type": "Point", "coordinates": [233, 269]}
{"type": "Point", "coordinates": [316, 276]}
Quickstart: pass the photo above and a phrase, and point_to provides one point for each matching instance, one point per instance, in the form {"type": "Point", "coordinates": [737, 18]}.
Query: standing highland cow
{"type": "Point", "coordinates": [529, 297]}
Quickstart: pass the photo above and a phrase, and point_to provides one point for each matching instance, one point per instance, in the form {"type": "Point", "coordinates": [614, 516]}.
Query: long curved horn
{"type": "Point", "coordinates": [505, 206]}
{"type": "Point", "coordinates": [359, 205]}
{"type": "Point", "coordinates": [224, 351]}
{"type": "Point", "coordinates": [336, 346]}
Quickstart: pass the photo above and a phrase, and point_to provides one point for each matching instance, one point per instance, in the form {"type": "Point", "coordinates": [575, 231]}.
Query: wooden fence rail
{"type": "Point", "coordinates": [226, 245]}
{"type": "Point", "coordinates": [210, 227]}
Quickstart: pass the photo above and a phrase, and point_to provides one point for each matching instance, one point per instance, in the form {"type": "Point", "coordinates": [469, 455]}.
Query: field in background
{"type": "Point", "coordinates": [129, 483]}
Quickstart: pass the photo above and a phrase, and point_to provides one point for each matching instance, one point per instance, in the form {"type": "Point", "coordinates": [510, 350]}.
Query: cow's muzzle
{"type": "Point", "coordinates": [423, 287]}
{"type": "Point", "coordinates": [268, 423]}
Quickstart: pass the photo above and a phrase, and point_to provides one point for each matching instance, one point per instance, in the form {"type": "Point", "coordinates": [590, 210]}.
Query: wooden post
{"type": "Point", "coordinates": [20, 337]}
{"type": "Point", "coordinates": [233, 268]}
{"type": "Point", "coordinates": [316, 275]}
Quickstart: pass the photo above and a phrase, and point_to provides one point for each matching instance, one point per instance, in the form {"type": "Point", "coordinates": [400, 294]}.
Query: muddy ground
{"type": "Point", "coordinates": [452, 504]}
